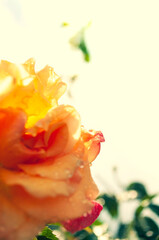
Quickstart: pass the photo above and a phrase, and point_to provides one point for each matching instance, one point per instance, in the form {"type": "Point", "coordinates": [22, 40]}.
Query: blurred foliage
{"type": "Point", "coordinates": [139, 188]}
{"type": "Point", "coordinates": [143, 225]}
{"type": "Point", "coordinates": [110, 203]}
{"type": "Point", "coordinates": [78, 41]}
{"type": "Point", "coordinates": [47, 234]}
{"type": "Point", "coordinates": [72, 80]}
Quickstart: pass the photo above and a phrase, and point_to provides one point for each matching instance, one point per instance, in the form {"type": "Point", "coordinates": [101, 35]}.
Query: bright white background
{"type": "Point", "coordinates": [118, 91]}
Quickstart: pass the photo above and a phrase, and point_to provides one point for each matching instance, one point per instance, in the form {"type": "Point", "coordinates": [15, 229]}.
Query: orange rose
{"type": "Point", "coordinates": [45, 155]}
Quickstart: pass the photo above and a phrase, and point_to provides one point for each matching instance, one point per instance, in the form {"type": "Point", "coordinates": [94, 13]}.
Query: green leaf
{"type": "Point", "coordinates": [53, 237]}
{"type": "Point", "coordinates": [81, 234]}
{"type": "Point", "coordinates": [139, 188]}
{"type": "Point", "coordinates": [78, 41]}
{"type": "Point", "coordinates": [54, 226]}
{"type": "Point", "coordinates": [97, 222]}
{"type": "Point", "coordinates": [151, 197]}
{"type": "Point", "coordinates": [138, 211]}
{"type": "Point", "coordinates": [42, 238]}
{"type": "Point", "coordinates": [146, 228]}
{"type": "Point", "coordinates": [154, 208]}
{"type": "Point", "coordinates": [47, 234]}
{"type": "Point", "coordinates": [82, 46]}
{"type": "Point", "coordinates": [85, 235]}
{"type": "Point", "coordinates": [123, 231]}
{"type": "Point", "coordinates": [91, 236]}
{"type": "Point", "coordinates": [110, 204]}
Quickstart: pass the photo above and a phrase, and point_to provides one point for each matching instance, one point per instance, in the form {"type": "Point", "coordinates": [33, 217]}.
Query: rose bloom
{"type": "Point", "coordinates": [45, 155]}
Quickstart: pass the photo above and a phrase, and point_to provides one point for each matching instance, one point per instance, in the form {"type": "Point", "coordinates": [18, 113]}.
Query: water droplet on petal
{"type": "Point", "coordinates": [85, 215]}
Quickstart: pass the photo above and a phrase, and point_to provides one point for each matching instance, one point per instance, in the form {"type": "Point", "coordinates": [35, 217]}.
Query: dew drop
{"type": "Point", "coordinates": [85, 215]}
{"type": "Point", "coordinates": [82, 166]}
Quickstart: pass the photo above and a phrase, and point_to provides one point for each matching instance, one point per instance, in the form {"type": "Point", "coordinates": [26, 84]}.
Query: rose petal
{"type": "Point", "coordinates": [86, 220]}
{"type": "Point", "coordinates": [9, 211]}
{"type": "Point", "coordinates": [31, 227]}
{"type": "Point", "coordinates": [92, 140]}
{"type": "Point", "coordinates": [29, 66]}
{"type": "Point", "coordinates": [66, 121]}
{"type": "Point", "coordinates": [60, 168]}
{"type": "Point", "coordinates": [50, 83]}
{"type": "Point", "coordinates": [65, 114]}
{"type": "Point", "coordinates": [36, 186]}
{"type": "Point", "coordinates": [14, 223]}
{"type": "Point", "coordinates": [12, 149]}
{"type": "Point", "coordinates": [61, 130]}
{"type": "Point", "coordinates": [18, 72]}
{"type": "Point", "coordinates": [30, 91]}
{"type": "Point", "coordinates": [59, 208]}
{"type": "Point", "coordinates": [6, 83]}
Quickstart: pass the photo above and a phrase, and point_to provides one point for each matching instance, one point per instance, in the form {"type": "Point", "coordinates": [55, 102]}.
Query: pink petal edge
{"type": "Point", "coordinates": [86, 220]}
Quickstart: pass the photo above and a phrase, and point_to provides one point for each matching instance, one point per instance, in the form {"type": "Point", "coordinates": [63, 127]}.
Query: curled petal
{"type": "Point", "coordinates": [29, 66]}
{"type": "Point", "coordinates": [50, 83]}
{"type": "Point", "coordinates": [64, 115]}
{"type": "Point", "coordinates": [92, 140]}
{"type": "Point", "coordinates": [62, 127]}
{"type": "Point", "coordinates": [35, 93]}
{"type": "Point", "coordinates": [17, 71]}
{"type": "Point", "coordinates": [86, 220]}
{"type": "Point", "coordinates": [12, 149]}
